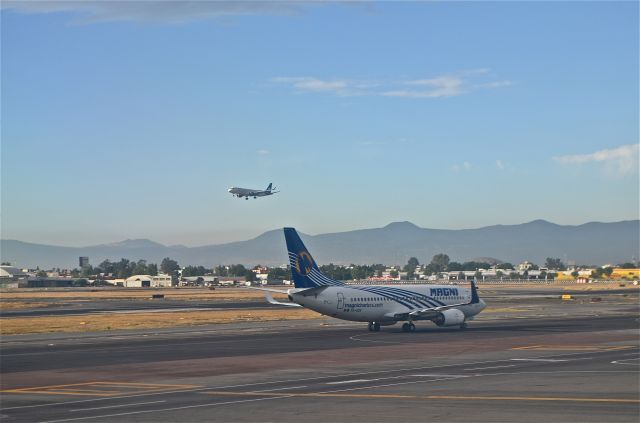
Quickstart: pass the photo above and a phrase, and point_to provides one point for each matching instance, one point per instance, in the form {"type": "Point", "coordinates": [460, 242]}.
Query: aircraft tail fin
{"type": "Point", "coordinates": [304, 271]}
{"type": "Point", "coordinates": [269, 187]}
{"type": "Point", "coordinates": [474, 293]}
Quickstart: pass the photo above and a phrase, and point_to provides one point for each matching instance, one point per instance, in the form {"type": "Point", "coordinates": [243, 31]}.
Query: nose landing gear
{"type": "Point", "coordinates": [374, 327]}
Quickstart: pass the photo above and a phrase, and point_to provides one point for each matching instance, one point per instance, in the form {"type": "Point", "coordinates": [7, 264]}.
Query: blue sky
{"type": "Point", "coordinates": [132, 119]}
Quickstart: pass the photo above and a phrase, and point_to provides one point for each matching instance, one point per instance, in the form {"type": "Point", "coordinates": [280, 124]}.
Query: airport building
{"type": "Point", "coordinates": [148, 281]}
{"type": "Point", "coordinates": [10, 276]}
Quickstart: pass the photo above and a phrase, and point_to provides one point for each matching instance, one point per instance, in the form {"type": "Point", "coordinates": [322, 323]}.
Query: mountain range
{"type": "Point", "coordinates": [590, 243]}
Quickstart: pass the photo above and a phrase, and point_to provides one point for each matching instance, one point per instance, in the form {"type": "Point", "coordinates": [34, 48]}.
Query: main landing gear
{"type": "Point", "coordinates": [374, 327]}
{"type": "Point", "coordinates": [408, 327]}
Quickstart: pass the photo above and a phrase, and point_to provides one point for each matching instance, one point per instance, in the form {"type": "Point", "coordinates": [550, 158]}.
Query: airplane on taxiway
{"type": "Point", "coordinates": [255, 193]}
{"type": "Point", "coordinates": [380, 305]}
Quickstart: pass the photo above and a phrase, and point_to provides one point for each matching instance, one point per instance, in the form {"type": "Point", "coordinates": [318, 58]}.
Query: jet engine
{"type": "Point", "coordinates": [451, 317]}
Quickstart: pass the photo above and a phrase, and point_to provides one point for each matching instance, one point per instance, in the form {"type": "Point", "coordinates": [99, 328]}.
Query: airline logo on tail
{"type": "Point", "coordinates": [304, 263]}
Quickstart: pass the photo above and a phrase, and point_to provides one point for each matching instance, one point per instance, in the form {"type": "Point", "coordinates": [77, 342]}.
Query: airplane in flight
{"type": "Point", "coordinates": [255, 193]}
{"type": "Point", "coordinates": [380, 305]}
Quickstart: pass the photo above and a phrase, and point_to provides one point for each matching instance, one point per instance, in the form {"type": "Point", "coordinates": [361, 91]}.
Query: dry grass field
{"type": "Point", "coordinates": [20, 305]}
{"type": "Point", "coordinates": [32, 298]}
{"type": "Point", "coordinates": [113, 321]}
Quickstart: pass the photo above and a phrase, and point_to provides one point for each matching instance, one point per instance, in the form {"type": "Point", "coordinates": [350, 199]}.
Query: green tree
{"type": "Point", "coordinates": [554, 264]}
{"type": "Point", "coordinates": [169, 266]}
{"type": "Point", "coordinates": [87, 271]}
{"type": "Point", "coordinates": [440, 262]}
{"type": "Point", "coordinates": [504, 266]}
{"type": "Point", "coordinates": [41, 274]}
{"type": "Point", "coordinates": [410, 268]}
{"type": "Point", "coordinates": [123, 268]}
{"type": "Point", "coordinates": [221, 271]}
{"type": "Point", "coordinates": [140, 268]}
{"type": "Point", "coordinates": [250, 276]}
{"type": "Point", "coordinates": [152, 269]}
{"type": "Point", "coordinates": [238, 270]}
{"type": "Point", "coordinates": [454, 266]}
{"type": "Point", "coordinates": [278, 273]}
{"type": "Point", "coordinates": [627, 265]}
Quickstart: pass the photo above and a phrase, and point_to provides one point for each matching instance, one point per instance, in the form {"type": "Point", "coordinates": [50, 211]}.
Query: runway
{"type": "Point", "coordinates": [579, 362]}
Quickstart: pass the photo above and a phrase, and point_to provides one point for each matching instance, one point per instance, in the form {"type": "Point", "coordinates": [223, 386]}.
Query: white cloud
{"type": "Point", "coordinates": [621, 160]}
{"type": "Point", "coordinates": [159, 11]}
{"type": "Point", "coordinates": [499, 164]}
{"type": "Point", "coordinates": [466, 166]}
{"type": "Point", "coordinates": [339, 87]}
{"type": "Point", "coordinates": [495, 84]}
{"type": "Point", "coordinates": [263, 152]}
{"type": "Point", "coordinates": [441, 86]}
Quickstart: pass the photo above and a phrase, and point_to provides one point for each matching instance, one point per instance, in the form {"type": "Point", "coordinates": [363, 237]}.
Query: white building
{"type": "Point", "coordinates": [147, 281]}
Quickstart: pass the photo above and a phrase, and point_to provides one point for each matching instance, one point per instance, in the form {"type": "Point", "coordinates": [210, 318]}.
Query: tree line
{"type": "Point", "coordinates": [439, 263]}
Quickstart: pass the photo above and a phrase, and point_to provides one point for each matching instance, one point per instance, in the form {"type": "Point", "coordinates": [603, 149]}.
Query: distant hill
{"type": "Point", "coordinates": [591, 243]}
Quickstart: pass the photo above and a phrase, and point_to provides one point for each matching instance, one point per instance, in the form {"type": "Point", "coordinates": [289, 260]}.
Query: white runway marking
{"type": "Point", "coordinates": [117, 406]}
{"type": "Point", "coordinates": [281, 389]}
{"type": "Point", "coordinates": [637, 362]}
{"type": "Point", "coordinates": [492, 367]}
{"type": "Point", "coordinates": [440, 376]}
{"type": "Point", "coordinates": [340, 382]}
{"type": "Point", "coordinates": [443, 365]}
{"type": "Point", "coordinates": [166, 409]}
{"type": "Point", "coordinates": [547, 360]}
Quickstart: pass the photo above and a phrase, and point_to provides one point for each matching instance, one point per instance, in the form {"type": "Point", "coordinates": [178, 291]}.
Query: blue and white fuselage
{"type": "Point", "coordinates": [387, 303]}
{"type": "Point", "coordinates": [445, 305]}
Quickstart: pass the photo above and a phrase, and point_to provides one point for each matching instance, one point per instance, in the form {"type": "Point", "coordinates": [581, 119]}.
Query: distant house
{"type": "Point", "coordinates": [525, 265]}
